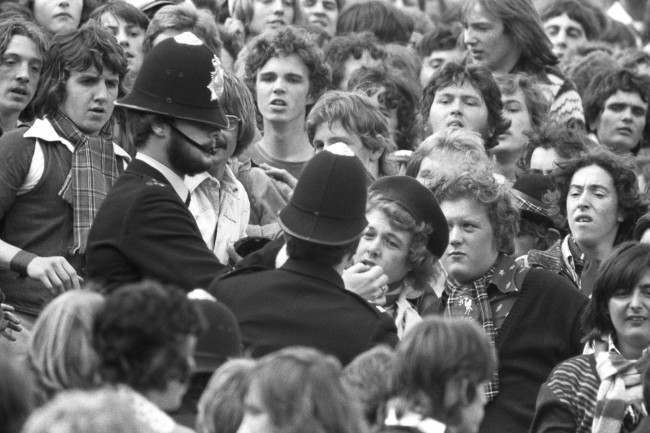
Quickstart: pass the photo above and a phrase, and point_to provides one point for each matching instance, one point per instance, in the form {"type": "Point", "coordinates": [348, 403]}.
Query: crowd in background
{"type": "Point", "coordinates": [324, 216]}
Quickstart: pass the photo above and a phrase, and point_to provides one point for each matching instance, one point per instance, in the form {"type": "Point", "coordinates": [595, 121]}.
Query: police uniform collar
{"type": "Point", "coordinates": [174, 180]}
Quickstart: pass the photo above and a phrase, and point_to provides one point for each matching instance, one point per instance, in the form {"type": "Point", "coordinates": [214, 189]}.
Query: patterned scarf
{"type": "Point", "coordinates": [471, 301]}
{"type": "Point", "coordinates": [94, 170]}
{"type": "Point", "coordinates": [619, 400]}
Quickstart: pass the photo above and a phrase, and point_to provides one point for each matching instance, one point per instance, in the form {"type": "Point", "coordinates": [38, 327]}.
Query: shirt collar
{"type": "Point", "coordinates": [42, 129]}
{"type": "Point", "coordinates": [228, 180]}
{"type": "Point", "coordinates": [504, 274]}
{"type": "Point", "coordinates": [175, 180]}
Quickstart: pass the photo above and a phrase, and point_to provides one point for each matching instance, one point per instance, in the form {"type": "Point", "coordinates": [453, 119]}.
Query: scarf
{"type": "Point", "coordinates": [93, 171]}
{"type": "Point", "coordinates": [587, 270]}
{"type": "Point", "coordinates": [620, 394]}
{"type": "Point", "coordinates": [471, 301]}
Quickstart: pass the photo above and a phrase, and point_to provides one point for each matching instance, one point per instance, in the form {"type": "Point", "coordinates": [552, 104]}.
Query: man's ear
{"type": "Point", "coordinates": [160, 129]}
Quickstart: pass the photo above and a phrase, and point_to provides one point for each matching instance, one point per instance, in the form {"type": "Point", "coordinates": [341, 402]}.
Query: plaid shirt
{"type": "Point", "coordinates": [472, 300]}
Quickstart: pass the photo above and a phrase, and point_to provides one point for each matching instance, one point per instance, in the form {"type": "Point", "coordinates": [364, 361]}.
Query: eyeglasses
{"type": "Point", "coordinates": [233, 122]}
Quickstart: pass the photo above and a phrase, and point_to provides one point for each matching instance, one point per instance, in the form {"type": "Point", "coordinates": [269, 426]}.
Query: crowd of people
{"type": "Point", "coordinates": [325, 216]}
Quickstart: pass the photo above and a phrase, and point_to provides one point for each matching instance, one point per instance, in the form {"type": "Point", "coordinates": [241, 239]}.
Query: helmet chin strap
{"type": "Point", "coordinates": [210, 149]}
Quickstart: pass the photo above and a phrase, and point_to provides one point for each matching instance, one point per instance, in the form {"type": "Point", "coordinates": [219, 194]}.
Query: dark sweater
{"type": "Point", "coordinates": [39, 221]}
{"type": "Point", "coordinates": [542, 330]}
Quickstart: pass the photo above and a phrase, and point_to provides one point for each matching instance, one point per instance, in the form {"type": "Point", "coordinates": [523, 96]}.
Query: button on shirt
{"type": "Point", "coordinates": [221, 210]}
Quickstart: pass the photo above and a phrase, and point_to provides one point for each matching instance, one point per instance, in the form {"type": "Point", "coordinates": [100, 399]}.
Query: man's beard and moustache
{"type": "Point", "coordinates": [181, 157]}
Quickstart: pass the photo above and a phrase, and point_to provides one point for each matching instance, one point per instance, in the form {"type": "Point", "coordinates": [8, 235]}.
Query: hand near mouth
{"type": "Point", "coordinates": [366, 281]}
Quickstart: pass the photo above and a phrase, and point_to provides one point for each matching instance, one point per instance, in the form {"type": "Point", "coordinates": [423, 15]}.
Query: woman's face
{"type": "Point", "coordinates": [257, 418]}
{"type": "Point", "coordinates": [592, 207]}
{"type": "Point", "coordinates": [629, 311]}
{"type": "Point", "coordinates": [384, 245]}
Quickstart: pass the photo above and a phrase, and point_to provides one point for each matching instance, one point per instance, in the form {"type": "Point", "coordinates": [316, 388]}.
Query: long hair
{"type": "Point", "coordinates": [237, 100]}
{"type": "Point", "coordinates": [301, 389]}
{"type": "Point", "coordinates": [243, 11]}
{"type": "Point", "coordinates": [621, 271]}
{"type": "Point", "coordinates": [89, 46]}
{"type": "Point", "coordinates": [221, 407]}
{"type": "Point", "coordinates": [61, 353]}
{"type": "Point", "coordinates": [522, 23]}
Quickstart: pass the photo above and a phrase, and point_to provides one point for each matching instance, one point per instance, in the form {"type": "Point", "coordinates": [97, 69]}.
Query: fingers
{"type": "Point", "coordinates": [8, 335]}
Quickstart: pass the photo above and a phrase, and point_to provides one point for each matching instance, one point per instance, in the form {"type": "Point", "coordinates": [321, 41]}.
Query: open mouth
{"type": "Point", "coordinates": [278, 103]}
{"type": "Point", "coordinates": [636, 319]}
{"type": "Point", "coordinates": [455, 124]}
{"type": "Point", "coordinates": [368, 262]}
{"type": "Point", "coordinates": [583, 219]}
{"type": "Point", "coordinates": [19, 91]}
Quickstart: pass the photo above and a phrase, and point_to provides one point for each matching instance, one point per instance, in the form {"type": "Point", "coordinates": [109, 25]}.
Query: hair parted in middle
{"type": "Point", "coordinates": [536, 102]}
{"type": "Point", "coordinates": [61, 354]}
{"type": "Point", "coordinates": [522, 23]}
{"type": "Point", "coordinates": [479, 184]}
{"type": "Point", "coordinates": [89, 46]}
{"type": "Point", "coordinates": [285, 42]}
{"type": "Point", "coordinates": [302, 390]}
{"type": "Point", "coordinates": [483, 81]}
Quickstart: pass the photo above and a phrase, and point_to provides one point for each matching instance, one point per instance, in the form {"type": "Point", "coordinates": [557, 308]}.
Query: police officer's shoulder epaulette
{"type": "Point", "coordinates": [154, 182]}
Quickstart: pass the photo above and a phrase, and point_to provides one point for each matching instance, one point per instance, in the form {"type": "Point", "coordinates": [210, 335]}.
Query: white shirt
{"type": "Point", "coordinates": [221, 210]}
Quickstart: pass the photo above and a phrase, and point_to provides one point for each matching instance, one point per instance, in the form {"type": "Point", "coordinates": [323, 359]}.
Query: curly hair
{"type": "Point", "coordinates": [577, 12]}
{"type": "Point", "coordinates": [301, 389]}
{"type": "Point", "coordinates": [381, 18]}
{"type": "Point", "coordinates": [358, 115]}
{"type": "Point", "coordinates": [181, 18]}
{"type": "Point", "coordinates": [89, 46]}
{"type": "Point", "coordinates": [630, 202]}
{"type": "Point", "coordinates": [483, 81]}
{"type": "Point", "coordinates": [522, 23]}
{"type": "Point", "coordinates": [419, 259]}
{"type": "Point", "coordinates": [341, 47]}
{"type": "Point", "coordinates": [622, 270]}
{"type": "Point", "coordinates": [536, 102]}
{"type": "Point", "coordinates": [284, 42]}
{"type": "Point", "coordinates": [479, 184]}
{"type": "Point", "coordinates": [140, 332]}
{"type": "Point", "coordinates": [435, 353]}
{"type": "Point", "coordinates": [397, 93]}
{"type": "Point", "coordinates": [608, 83]}
{"type": "Point", "coordinates": [568, 142]}
{"type": "Point", "coordinates": [467, 144]}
